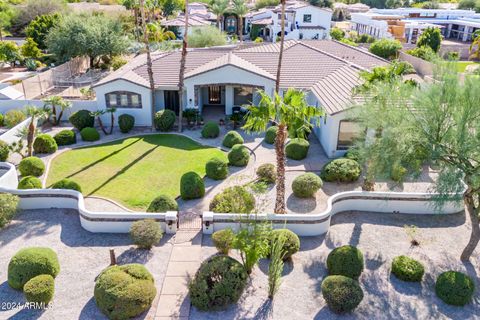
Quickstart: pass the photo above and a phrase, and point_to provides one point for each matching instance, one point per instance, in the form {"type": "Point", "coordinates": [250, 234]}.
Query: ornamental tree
{"type": "Point", "coordinates": [430, 37]}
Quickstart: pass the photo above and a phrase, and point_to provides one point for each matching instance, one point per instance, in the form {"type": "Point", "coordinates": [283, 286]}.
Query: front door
{"type": "Point", "coordinates": [214, 95]}
{"type": "Point", "coordinates": [172, 101]}
{"type": "Point", "coordinates": [231, 24]}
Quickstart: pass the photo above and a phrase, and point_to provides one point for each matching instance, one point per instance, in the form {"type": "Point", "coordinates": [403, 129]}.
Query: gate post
{"type": "Point", "coordinates": [207, 222]}
{"type": "Point", "coordinates": [171, 222]}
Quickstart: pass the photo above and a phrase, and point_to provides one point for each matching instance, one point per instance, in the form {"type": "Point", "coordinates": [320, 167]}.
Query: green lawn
{"type": "Point", "coordinates": [462, 65]}
{"type": "Point", "coordinates": [135, 170]}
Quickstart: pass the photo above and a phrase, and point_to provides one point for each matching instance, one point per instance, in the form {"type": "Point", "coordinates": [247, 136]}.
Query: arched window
{"type": "Point", "coordinates": [123, 99]}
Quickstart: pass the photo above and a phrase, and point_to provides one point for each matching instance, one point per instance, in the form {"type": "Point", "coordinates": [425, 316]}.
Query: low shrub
{"type": "Point", "coordinates": [44, 143]}
{"type": "Point", "coordinates": [407, 269]}
{"type": "Point", "coordinates": [126, 123]}
{"type": "Point", "coordinates": [346, 261]}
{"type": "Point", "coordinates": [398, 173]}
{"type": "Point", "coordinates": [2, 120]}
{"type": "Point", "coordinates": [219, 282]}
{"type": "Point", "coordinates": [67, 184]}
{"type": "Point", "coordinates": [232, 138]}
{"type": "Point", "coordinates": [31, 166]}
{"type": "Point", "coordinates": [4, 151]}
{"type": "Point", "coordinates": [65, 138]}
{"type": "Point", "coordinates": [341, 293]}
{"type": "Point", "coordinates": [386, 48]}
{"type": "Point", "coordinates": [191, 186]}
{"type": "Point", "coordinates": [239, 156]}
{"type": "Point", "coordinates": [291, 244]}
{"type": "Point", "coordinates": [271, 134]}
{"type": "Point", "coordinates": [267, 173]}
{"type": "Point", "coordinates": [223, 240]}
{"type": "Point", "coordinates": [164, 120]}
{"type": "Point", "coordinates": [13, 117]}
{"type": "Point", "coordinates": [82, 119]}
{"type": "Point", "coordinates": [210, 130]}
{"type": "Point", "coordinates": [123, 292]}
{"type": "Point", "coordinates": [454, 288]}
{"type": "Point", "coordinates": [163, 203]}
{"type": "Point", "coordinates": [40, 289]}
{"type": "Point", "coordinates": [216, 169]}
{"type": "Point", "coordinates": [233, 200]}
{"type": "Point", "coordinates": [90, 134]}
{"type": "Point", "coordinates": [29, 263]}
{"type": "Point", "coordinates": [341, 170]}
{"type": "Point", "coordinates": [8, 208]}
{"type": "Point", "coordinates": [353, 154]}
{"type": "Point", "coordinates": [29, 182]}
{"type": "Point", "coordinates": [306, 185]}
{"type": "Point", "coordinates": [297, 149]}
{"type": "Point", "coordinates": [146, 233]}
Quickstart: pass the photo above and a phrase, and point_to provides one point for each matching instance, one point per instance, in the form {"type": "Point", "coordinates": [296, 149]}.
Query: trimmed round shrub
{"type": "Point", "coordinates": [191, 186]}
{"type": "Point", "coordinates": [297, 149]}
{"type": "Point", "coordinates": [163, 203]}
{"type": "Point", "coordinates": [4, 151]}
{"type": "Point", "coordinates": [67, 184]}
{"type": "Point", "coordinates": [90, 134]}
{"type": "Point", "coordinates": [223, 240]}
{"type": "Point", "coordinates": [341, 293]}
{"type": "Point", "coordinates": [164, 120]}
{"type": "Point", "coordinates": [13, 117]}
{"type": "Point", "coordinates": [8, 208]}
{"type": "Point", "coordinates": [29, 182]}
{"type": "Point", "coordinates": [407, 269]}
{"type": "Point", "coordinates": [267, 173]}
{"type": "Point", "coordinates": [123, 292]}
{"type": "Point", "coordinates": [210, 130]}
{"type": "Point", "coordinates": [306, 185]}
{"type": "Point", "coordinates": [82, 119]}
{"type": "Point", "coordinates": [292, 242]}
{"type": "Point", "coordinates": [233, 200]}
{"type": "Point", "coordinates": [216, 169]}
{"type": "Point", "coordinates": [454, 288]}
{"type": "Point", "coordinates": [40, 289]}
{"type": "Point", "coordinates": [271, 134]}
{"type": "Point", "coordinates": [65, 138]}
{"type": "Point", "coordinates": [29, 263]}
{"type": "Point", "coordinates": [31, 166]}
{"type": "Point", "coordinates": [126, 123]}
{"type": "Point", "coordinates": [346, 261]}
{"type": "Point", "coordinates": [146, 233]}
{"type": "Point", "coordinates": [341, 170]}
{"type": "Point", "coordinates": [44, 143]}
{"type": "Point", "coordinates": [232, 138]}
{"type": "Point", "coordinates": [219, 282]}
{"type": "Point", "coordinates": [239, 156]}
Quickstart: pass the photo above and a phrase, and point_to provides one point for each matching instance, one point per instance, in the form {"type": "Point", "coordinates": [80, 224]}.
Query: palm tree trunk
{"type": "Point", "coordinates": [218, 23]}
{"type": "Point", "coordinates": [182, 70]}
{"type": "Point", "coordinates": [280, 55]}
{"type": "Point", "coordinates": [100, 124]}
{"type": "Point", "coordinates": [240, 28]}
{"type": "Point", "coordinates": [30, 136]}
{"type": "Point", "coordinates": [59, 118]}
{"type": "Point", "coordinates": [472, 211]}
{"type": "Point", "coordinates": [112, 117]}
{"type": "Point", "coordinates": [54, 115]}
{"type": "Point", "coordinates": [149, 62]}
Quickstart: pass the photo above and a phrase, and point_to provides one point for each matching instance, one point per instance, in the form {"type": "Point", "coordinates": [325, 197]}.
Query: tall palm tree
{"type": "Point", "coordinates": [35, 115]}
{"type": "Point", "coordinates": [53, 102]}
{"type": "Point", "coordinates": [156, 33]}
{"type": "Point", "coordinates": [149, 61]}
{"type": "Point", "coordinates": [219, 7]}
{"type": "Point", "coordinates": [134, 7]}
{"type": "Point", "coordinates": [291, 111]}
{"type": "Point", "coordinates": [181, 76]}
{"type": "Point", "coordinates": [240, 9]}
{"type": "Point", "coordinates": [98, 114]}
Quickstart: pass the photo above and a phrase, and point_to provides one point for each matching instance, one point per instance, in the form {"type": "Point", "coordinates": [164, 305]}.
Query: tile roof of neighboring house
{"type": "Point", "coordinates": [329, 69]}
{"type": "Point", "coordinates": [193, 21]}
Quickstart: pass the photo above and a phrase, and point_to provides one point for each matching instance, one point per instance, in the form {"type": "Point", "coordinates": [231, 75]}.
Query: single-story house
{"type": "Point", "coordinates": [227, 77]}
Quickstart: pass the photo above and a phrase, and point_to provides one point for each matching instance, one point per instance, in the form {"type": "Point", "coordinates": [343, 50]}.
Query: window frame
{"type": "Point", "coordinates": [344, 147]}
{"type": "Point", "coordinates": [305, 16]}
{"type": "Point", "coordinates": [119, 104]}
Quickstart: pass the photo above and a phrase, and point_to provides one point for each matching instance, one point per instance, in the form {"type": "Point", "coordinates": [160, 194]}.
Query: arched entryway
{"type": "Point", "coordinates": [231, 24]}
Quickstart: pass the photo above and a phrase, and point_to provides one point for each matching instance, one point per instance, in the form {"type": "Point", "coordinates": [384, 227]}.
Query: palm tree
{"type": "Point", "coordinates": [240, 9]}
{"type": "Point", "coordinates": [35, 115]}
{"type": "Point", "coordinates": [475, 53]}
{"type": "Point", "coordinates": [112, 117]}
{"type": "Point", "coordinates": [291, 112]}
{"type": "Point", "coordinates": [219, 7]}
{"type": "Point", "coordinates": [149, 60]}
{"type": "Point", "coordinates": [156, 33]}
{"type": "Point", "coordinates": [98, 114]}
{"type": "Point", "coordinates": [53, 102]}
{"type": "Point", "coordinates": [133, 6]}
{"type": "Point", "coordinates": [181, 76]}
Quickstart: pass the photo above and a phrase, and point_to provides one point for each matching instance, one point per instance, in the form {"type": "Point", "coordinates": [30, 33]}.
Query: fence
{"type": "Point", "coordinates": [422, 67]}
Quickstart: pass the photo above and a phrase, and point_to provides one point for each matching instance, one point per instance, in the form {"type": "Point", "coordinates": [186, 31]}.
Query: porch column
{"type": "Point", "coordinates": [229, 99]}
{"type": "Point", "coordinates": [190, 101]}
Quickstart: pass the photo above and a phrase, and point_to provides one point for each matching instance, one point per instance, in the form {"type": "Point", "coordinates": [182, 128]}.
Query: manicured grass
{"type": "Point", "coordinates": [462, 65]}
{"type": "Point", "coordinates": [135, 170]}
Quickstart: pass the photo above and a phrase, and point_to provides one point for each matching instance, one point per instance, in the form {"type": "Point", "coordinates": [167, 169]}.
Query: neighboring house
{"type": "Point", "coordinates": [406, 24]}
{"type": "Point", "coordinates": [225, 78]}
{"type": "Point", "coordinates": [302, 21]}
{"type": "Point", "coordinates": [198, 16]}
{"type": "Point", "coordinates": [89, 7]}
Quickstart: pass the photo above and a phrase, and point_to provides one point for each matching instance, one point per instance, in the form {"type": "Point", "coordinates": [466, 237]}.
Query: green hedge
{"type": "Point", "coordinates": [29, 182]}
{"type": "Point", "coordinates": [67, 184]}
{"type": "Point", "coordinates": [210, 130]}
{"type": "Point", "coordinates": [306, 185]}
{"type": "Point", "coordinates": [341, 170]}
{"type": "Point", "coordinates": [454, 288]}
{"type": "Point", "coordinates": [341, 293]}
{"type": "Point", "coordinates": [223, 240]}
{"type": "Point", "coordinates": [234, 199]}
{"type": "Point", "coordinates": [82, 119]}
{"type": "Point", "coordinates": [31, 166]}
{"type": "Point", "coordinates": [239, 156]}
{"type": "Point", "coordinates": [191, 186]}
{"type": "Point", "coordinates": [292, 242]}
{"type": "Point", "coordinates": [407, 269]}
{"type": "Point", "coordinates": [216, 169]}
{"type": "Point", "coordinates": [29, 263]}
{"type": "Point", "coordinates": [232, 138]}
{"type": "Point", "coordinates": [164, 120]}
{"type": "Point", "coordinates": [44, 143]}
{"type": "Point", "coordinates": [219, 282]}
{"type": "Point", "coordinates": [271, 134]}
{"type": "Point", "coordinates": [163, 203]}
{"type": "Point", "coordinates": [346, 261]}
{"type": "Point", "coordinates": [4, 151]}
{"type": "Point", "coordinates": [8, 208]}
{"type": "Point", "coordinates": [297, 149]}
{"type": "Point", "coordinates": [40, 289]}
{"type": "Point", "coordinates": [126, 123]}
{"type": "Point", "coordinates": [90, 134]}
{"type": "Point", "coordinates": [267, 173]}
{"type": "Point", "coordinates": [146, 233]}
{"type": "Point", "coordinates": [65, 138]}
{"type": "Point", "coordinates": [123, 292]}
